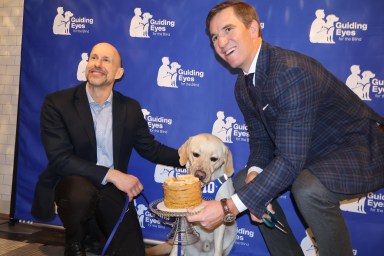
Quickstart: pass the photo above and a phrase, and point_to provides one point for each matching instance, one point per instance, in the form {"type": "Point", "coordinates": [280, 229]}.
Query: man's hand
{"type": "Point", "coordinates": [210, 214]}
{"type": "Point", "coordinates": [254, 218]}
{"type": "Point", "coordinates": [127, 183]}
{"type": "Point", "coordinates": [250, 177]}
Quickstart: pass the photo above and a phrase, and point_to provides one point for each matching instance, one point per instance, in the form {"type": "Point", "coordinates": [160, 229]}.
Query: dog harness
{"type": "Point", "coordinates": [209, 191]}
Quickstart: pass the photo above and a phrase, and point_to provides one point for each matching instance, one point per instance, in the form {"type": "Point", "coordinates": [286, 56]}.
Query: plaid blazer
{"type": "Point", "coordinates": [301, 116]}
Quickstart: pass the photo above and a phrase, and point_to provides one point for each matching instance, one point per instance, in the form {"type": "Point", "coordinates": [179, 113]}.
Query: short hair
{"type": "Point", "coordinates": [245, 12]}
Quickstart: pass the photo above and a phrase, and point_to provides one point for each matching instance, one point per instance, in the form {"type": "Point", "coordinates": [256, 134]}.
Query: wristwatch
{"type": "Point", "coordinates": [228, 215]}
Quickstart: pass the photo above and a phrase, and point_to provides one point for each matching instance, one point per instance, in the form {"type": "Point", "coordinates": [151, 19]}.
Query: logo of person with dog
{"type": "Point", "coordinates": [81, 67]}
{"type": "Point", "coordinates": [308, 244]}
{"type": "Point", "coordinates": [322, 31]}
{"type": "Point", "coordinates": [222, 127]}
{"type": "Point", "coordinates": [167, 73]}
{"type": "Point", "coordinates": [162, 172]}
{"type": "Point", "coordinates": [141, 209]}
{"type": "Point", "coordinates": [62, 22]}
{"type": "Point", "coordinates": [356, 205]}
{"type": "Point", "coordinates": [140, 24]}
{"type": "Point", "coordinates": [360, 85]}
{"type": "Point", "coordinates": [145, 113]}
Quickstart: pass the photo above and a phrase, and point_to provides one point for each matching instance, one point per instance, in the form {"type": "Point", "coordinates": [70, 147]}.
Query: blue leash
{"type": "Point", "coordinates": [125, 210]}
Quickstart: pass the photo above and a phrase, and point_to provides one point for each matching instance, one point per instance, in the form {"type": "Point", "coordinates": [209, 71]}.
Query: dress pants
{"type": "Point", "coordinates": [79, 201]}
{"type": "Point", "coordinates": [278, 243]}
{"type": "Point", "coordinates": [320, 209]}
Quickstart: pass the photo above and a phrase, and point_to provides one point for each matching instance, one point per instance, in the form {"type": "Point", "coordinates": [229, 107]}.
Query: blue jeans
{"type": "Point", "coordinates": [320, 209]}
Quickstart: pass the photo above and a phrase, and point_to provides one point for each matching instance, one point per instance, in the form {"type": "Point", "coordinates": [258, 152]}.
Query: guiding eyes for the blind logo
{"type": "Point", "coordinates": [144, 25]}
{"type": "Point", "coordinates": [65, 23]}
{"type": "Point", "coordinates": [365, 84]}
{"type": "Point", "coordinates": [330, 29]}
{"type": "Point", "coordinates": [171, 74]}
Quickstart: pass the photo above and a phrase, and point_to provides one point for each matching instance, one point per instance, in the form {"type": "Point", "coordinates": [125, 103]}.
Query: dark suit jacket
{"type": "Point", "coordinates": [302, 116]}
{"type": "Point", "coordinates": [69, 140]}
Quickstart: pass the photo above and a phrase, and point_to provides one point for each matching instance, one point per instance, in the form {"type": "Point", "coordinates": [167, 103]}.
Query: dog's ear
{"type": "Point", "coordinates": [228, 169]}
{"type": "Point", "coordinates": [183, 152]}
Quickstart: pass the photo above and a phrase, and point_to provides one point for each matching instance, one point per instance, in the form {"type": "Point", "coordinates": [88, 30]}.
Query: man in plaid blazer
{"type": "Point", "coordinates": [308, 131]}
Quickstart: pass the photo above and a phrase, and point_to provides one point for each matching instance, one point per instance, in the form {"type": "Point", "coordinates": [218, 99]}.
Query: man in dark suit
{"type": "Point", "coordinates": [308, 131]}
{"type": "Point", "coordinates": [88, 133]}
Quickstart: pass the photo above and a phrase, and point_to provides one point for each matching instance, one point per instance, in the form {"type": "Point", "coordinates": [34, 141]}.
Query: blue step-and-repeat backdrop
{"type": "Point", "coordinates": [184, 90]}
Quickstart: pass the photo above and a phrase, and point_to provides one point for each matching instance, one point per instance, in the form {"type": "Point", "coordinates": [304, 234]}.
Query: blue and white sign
{"type": "Point", "coordinates": [171, 69]}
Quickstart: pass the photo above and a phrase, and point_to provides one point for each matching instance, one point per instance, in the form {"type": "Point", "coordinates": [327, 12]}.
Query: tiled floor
{"type": "Point", "coordinates": [21, 239]}
{"type": "Point", "coordinates": [24, 239]}
{"type": "Point", "coordinates": [31, 240]}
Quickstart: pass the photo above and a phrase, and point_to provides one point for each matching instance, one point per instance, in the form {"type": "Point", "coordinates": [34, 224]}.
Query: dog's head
{"type": "Point", "coordinates": [175, 65]}
{"type": "Point", "coordinates": [368, 74]}
{"type": "Point", "coordinates": [147, 16]}
{"type": "Point", "coordinates": [68, 14]}
{"type": "Point", "coordinates": [141, 208]}
{"type": "Point", "coordinates": [204, 154]}
{"type": "Point", "coordinates": [230, 120]}
{"type": "Point", "coordinates": [332, 18]}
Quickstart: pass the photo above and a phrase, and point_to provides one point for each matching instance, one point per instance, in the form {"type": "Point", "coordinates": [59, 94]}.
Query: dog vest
{"type": "Point", "coordinates": [209, 191]}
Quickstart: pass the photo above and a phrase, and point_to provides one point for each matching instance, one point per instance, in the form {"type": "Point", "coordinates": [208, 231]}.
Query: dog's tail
{"type": "Point", "coordinates": [160, 249]}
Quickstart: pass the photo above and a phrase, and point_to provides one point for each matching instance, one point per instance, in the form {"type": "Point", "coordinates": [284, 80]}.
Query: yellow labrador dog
{"type": "Point", "coordinates": [207, 157]}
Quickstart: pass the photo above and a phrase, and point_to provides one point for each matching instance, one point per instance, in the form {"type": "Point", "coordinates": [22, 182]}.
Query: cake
{"type": "Point", "coordinates": [182, 192]}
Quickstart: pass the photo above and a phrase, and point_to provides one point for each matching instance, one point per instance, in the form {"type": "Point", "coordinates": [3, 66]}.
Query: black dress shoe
{"type": "Point", "coordinates": [74, 249]}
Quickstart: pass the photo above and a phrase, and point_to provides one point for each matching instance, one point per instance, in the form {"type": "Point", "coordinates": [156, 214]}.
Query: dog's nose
{"type": "Point", "coordinates": [200, 175]}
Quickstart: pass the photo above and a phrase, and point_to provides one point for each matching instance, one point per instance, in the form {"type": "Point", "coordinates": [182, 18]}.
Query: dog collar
{"type": "Point", "coordinates": [222, 179]}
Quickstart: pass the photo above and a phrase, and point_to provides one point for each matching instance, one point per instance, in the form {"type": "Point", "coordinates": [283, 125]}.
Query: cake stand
{"type": "Point", "coordinates": [183, 232]}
